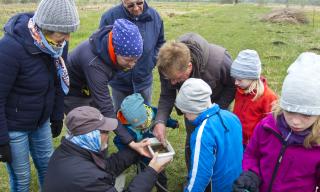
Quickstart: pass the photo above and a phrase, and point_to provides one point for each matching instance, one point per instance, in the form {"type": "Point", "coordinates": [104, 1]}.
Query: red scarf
{"type": "Point", "coordinates": [111, 49]}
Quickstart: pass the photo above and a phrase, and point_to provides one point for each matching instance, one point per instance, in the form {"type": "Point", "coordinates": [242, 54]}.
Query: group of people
{"type": "Point", "coordinates": [265, 143]}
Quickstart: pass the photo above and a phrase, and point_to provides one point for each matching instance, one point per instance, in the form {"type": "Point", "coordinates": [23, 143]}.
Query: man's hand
{"type": "Point", "coordinates": [158, 166]}
{"type": "Point", "coordinates": [141, 147]}
{"type": "Point", "coordinates": [56, 127]}
{"type": "Point", "coordinates": [5, 153]}
{"type": "Point", "coordinates": [159, 131]}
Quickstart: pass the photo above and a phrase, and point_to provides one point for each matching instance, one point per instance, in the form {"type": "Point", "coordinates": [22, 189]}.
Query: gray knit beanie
{"type": "Point", "coordinates": [247, 65]}
{"type": "Point", "coordinates": [194, 96]}
{"type": "Point", "coordinates": [301, 87]}
{"type": "Point", "coordinates": [57, 15]}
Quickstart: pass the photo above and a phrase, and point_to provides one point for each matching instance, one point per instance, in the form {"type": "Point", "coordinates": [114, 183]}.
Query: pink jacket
{"type": "Point", "coordinates": [281, 167]}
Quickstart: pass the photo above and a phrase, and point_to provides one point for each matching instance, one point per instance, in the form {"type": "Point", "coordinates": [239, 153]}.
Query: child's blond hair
{"type": "Point", "coordinates": [314, 136]}
{"type": "Point", "coordinates": [256, 87]}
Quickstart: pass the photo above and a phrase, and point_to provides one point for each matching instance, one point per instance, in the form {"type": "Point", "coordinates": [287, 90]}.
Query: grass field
{"type": "Point", "coordinates": [234, 27]}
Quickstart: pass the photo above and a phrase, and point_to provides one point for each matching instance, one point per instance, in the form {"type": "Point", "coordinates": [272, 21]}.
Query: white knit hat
{"type": "Point", "coordinates": [57, 15]}
{"type": "Point", "coordinates": [301, 87]}
{"type": "Point", "coordinates": [194, 96]}
{"type": "Point", "coordinates": [247, 65]}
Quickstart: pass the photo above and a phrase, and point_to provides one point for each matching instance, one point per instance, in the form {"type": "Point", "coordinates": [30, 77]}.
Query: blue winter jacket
{"type": "Point", "coordinates": [30, 92]}
{"type": "Point", "coordinates": [216, 151]}
{"type": "Point", "coordinates": [151, 29]}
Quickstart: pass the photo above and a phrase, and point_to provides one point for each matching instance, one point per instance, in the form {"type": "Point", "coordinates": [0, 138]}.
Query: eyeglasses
{"type": "Point", "coordinates": [131, 5]}
{"type": "Point", "coordinates": [104, 131]}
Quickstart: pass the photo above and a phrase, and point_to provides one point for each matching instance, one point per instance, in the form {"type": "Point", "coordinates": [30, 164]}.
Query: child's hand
{"type": "Point", "coordinates": [158, 166]}
{"type": "Point", "coordinates": [248, 181]}
{"type": "Point", "coordinates": [141, 147]}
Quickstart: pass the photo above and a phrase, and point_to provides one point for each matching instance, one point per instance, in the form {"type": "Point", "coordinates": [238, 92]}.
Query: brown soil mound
{"type": "Point", "coordinates": [292, 16]}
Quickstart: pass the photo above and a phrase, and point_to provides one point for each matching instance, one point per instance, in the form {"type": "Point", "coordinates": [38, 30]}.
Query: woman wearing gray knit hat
{"type": "Point", "coordinates": [34, 79]}
{"type": "Point", "coordinates": [284, 152]}
{"type": "Point", "coordinates": [253, 100]}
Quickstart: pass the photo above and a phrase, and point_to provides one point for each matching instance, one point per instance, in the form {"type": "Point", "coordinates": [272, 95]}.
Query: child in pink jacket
{"type": "Point", "coordinates": [284, 152]}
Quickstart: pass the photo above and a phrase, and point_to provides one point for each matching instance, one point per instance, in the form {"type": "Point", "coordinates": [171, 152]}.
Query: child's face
{"type": "Point", "coordinates": [243, 83]}
{"type": "Point", "coordinates": [190, 116]}
{"type": "Point", "coordinates": [299, 122]}
{"type": "Point", "coordinates": [142, 126]}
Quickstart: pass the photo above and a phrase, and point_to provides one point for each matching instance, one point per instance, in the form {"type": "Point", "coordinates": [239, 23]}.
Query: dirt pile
{"type": "Point", "coordinates": [292, 16]}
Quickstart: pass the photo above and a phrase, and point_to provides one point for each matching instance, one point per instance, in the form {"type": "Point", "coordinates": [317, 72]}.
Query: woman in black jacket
{"type": "Point", "coordinates": [33, 81]}
{"type": "Point", "coordinates": [78, 164]}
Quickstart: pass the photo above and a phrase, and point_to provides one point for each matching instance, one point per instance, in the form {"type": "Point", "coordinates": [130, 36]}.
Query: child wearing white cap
{"type": "Point", "coordinates": [253, 100]}
{"type": "Point", "coordinates": [215, 142]}
{"type": "Point", "coordinates": [284, 151]}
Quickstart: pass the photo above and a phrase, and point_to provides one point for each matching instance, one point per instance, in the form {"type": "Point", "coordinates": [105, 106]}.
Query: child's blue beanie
{"type": "Point", "coordinates": [132, 108]}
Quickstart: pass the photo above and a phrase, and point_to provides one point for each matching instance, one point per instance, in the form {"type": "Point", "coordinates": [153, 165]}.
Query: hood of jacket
{"type": "Point", "coordinates": [99, 41]}
{"type": "Point", "coordinates": [199, 50]}
{"type": "Point", "coordinates": [17, 27]}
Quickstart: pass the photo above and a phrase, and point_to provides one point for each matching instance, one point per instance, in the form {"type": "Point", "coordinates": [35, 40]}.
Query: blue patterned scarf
{"type": "Point", "coordinates": [41, 42]}
{"type": "Point", "coordinates": [90, 141]}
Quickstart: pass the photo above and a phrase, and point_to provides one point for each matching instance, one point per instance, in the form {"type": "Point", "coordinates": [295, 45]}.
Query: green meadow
{"type": "Point", "coordinates": [235, 27]}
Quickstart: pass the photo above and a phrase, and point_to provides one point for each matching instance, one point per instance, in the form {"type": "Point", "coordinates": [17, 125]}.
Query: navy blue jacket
{"type": "Point", "coordinates": [151, 29]}
{"type": "Point", "coordinates": [90, 68]}
{"type": "Point", "coordinates": [30, 92]}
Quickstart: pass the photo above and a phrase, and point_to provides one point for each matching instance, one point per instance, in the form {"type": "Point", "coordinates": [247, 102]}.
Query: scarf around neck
{"type": "Point", "coordinates": [90, 141]}
{"type": "Point", "coordinates": [41, 42]}
{"type": "Point", "coordinates": [290, 136]}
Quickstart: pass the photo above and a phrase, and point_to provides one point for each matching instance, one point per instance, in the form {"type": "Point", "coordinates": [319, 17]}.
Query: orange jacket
{"type": "Point", "coordinates": [251, 112]}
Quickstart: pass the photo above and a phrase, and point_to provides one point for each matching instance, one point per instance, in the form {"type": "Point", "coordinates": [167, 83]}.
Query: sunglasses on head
{"type": "Point", "coordinates": [131, 5]}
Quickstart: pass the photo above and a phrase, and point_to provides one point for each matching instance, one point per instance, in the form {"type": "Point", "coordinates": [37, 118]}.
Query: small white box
{"type": "Point", "coordinates": [162, 156]}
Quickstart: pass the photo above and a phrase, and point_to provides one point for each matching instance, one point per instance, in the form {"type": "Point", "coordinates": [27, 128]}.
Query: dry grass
{"type": "Point", "coordinates": [292, 16]}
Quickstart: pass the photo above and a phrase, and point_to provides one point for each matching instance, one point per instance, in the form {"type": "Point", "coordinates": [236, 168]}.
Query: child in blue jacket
{"type": "Point", "coordinates": [215, 142]}
{"type": "Point", "coordinates": [139, 119]}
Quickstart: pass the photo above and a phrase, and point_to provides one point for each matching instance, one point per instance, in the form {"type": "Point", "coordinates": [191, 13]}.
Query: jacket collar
{"type": "Point", "coordinates": [275, 127]}
{"type": "Point", "coordinates": [214, 109]}
{"type": "Point", "coordinates": [99, 42]}
{"type": "Point", "coordinates": [144, 17]}
{"type": "Point", "coordinates": [96, 158]}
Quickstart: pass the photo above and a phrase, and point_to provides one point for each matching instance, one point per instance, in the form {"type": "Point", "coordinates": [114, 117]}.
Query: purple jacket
{"type": "Point", "coordinates": [281, 167]}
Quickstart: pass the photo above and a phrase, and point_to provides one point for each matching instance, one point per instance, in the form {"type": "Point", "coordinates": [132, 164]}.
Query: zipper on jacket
{"type": "Point", "coordinates": [279, 160]}
{"type": "Point", "coordinates": [275, 171]}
